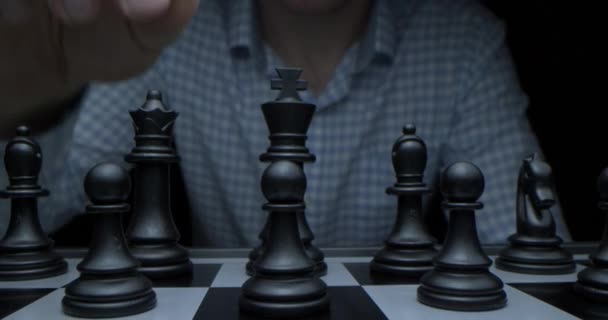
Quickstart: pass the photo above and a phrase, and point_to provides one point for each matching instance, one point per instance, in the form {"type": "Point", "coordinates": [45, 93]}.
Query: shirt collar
{"type": "Point", "coordinates": [380, 38]}
{"type": "Point", "coordinates": [378, 42]}
{"type": "Point", "coordinates": [243, 36]}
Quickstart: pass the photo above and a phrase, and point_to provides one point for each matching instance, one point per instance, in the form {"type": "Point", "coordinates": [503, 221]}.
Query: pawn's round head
{"type": "Point", "coordinates": [284, 182]}
{"type": "Point", "coordinates": [462, 182]}
{"type": "Point", "coordinates": [107, 183]}
{"type": "Point", "coordinates": [602, 185]}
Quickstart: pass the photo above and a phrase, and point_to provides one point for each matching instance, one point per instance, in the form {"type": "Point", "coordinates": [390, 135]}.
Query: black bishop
{"type": "Point", "coordinates": [409, 249]}
{"type": "Point", "coordinates": [25, 251]}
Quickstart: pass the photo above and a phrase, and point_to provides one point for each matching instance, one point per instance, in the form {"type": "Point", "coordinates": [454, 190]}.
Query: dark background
{"type": "Point", "coordinates": [557, 50]}
{"type": "Point", "coordinates": [556, 46]}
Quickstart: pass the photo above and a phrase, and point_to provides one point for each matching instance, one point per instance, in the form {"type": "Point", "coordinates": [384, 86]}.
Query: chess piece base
{"type": "Point", "coordinates": [598, 297]}
{"type": "Point", "coordinates": [31, 265]}
{"type": "Point", "coordinates": [284, 298]}
{"type": "Point", "coordinates": [536, 260]}
{"type": "Point", "coordinates": [249, 268]}
{"type": "Point", "coordinates": [592, 284]}
{"type": "Point", "coordinates": [253, 255]}
{"type": "Point", "coordinates": [168, 271]}
{"type": "Point", "coordinates": [162, 261]}
{"type": "Point", "coordinates": [103, 297]}
{"type": "Point", "coordinates": [84, 309]}
{"type": "Point", "coordinates": [595, 312]}
{"type": "Point", "coordinates": [320, 266]}
{"type": "Point", "coordinates": [591, 293]}
{"type": "Point", "coordinates": [474, 291]}
{"type": "Point", "coordinates": [318, 257]}
{"type": "Point", "coordinates": [411, 262]}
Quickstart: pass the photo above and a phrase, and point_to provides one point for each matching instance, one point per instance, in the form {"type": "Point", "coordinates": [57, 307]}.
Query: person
{"type": "Point", "coordinates": [371, 67]}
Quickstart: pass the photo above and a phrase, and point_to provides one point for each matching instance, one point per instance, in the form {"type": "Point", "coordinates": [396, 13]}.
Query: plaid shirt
{"type": "Point", "coordinates": [441, 65]}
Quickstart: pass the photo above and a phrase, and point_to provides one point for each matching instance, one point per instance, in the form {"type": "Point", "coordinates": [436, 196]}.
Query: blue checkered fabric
{"type": "Point", "coordinates": [441, 65]}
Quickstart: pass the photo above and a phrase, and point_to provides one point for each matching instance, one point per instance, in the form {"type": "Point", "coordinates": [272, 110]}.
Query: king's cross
{"type": "Point", "coordinates": [289, 83]}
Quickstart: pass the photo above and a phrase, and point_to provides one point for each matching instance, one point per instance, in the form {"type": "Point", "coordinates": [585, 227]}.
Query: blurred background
{"type": "Point", "coordinates": [558, 50]}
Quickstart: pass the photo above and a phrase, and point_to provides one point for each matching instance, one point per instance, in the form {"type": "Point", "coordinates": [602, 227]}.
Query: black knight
{"type": "Point", "coordinates": [535, 248]}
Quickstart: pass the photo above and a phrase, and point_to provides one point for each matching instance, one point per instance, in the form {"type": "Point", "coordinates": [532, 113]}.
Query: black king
{"type": "Point", "coordinates": [284, 269]}
{"type": "Point", "coordinates": [288, 119]}
{"type": "Point", "coordinates": [152, 233]}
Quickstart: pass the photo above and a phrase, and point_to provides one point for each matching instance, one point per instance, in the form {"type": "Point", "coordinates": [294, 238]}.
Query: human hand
{"type": "Point", "coordinates": [50, 49]}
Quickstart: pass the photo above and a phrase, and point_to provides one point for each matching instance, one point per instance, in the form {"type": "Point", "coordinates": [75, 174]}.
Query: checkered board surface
{"type": "Point", "coordinates": [214, 289]}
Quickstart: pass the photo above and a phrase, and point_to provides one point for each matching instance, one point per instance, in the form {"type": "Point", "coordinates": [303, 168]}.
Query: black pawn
{"type": "Point", "coordinates": [153, 236]}
{"type": "Point", "coordinates": [284, 285]}
{"type": "Point", "coordinates": [257, 251]}
{"type": "Point", "coordinates": [25, 251]}
{"type": "Point", "coordinates": [306, 236]}
{"type": "Point", "coordinates": [460, 279]}
{"type": "Point", "coordinates": [593, 281]}
{"type": "Point", "coordinates": [409, 248]}
{"type": "Point", "coordinates": [109, 284]}
{"type": "Point", "coordinates": [288, 119]}
{"type": "Point", "coordinates": [535, 248]}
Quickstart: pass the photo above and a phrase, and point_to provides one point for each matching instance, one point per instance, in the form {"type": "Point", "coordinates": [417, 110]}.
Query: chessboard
{"type": "Point", "coordinates": [356, 293]}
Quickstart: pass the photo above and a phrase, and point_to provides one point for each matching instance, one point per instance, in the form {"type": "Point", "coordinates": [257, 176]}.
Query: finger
{"type": "Point", "coordinates": [75, 11]}
{"type": "Point", "coordinates": [144, 10]}
{"type": "Point", "coordinates": [14, 11]}
{"type": "Point", "coordinates": [159, 32]}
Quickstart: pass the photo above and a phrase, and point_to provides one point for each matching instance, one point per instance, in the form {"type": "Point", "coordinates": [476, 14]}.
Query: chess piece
{"type": "Point", "coordinates": [109, 284]}
{"type": "Point", "coordinates": [409, 249]}
{"type": "Point", "coordinates": [592, 282]}
{"type": "Point", "coordinates": [257, 251]}
{"type": "Point", "coordinates": [307, 237]}
{"type": "Point", "coordinates": [153, 237]}
{"type": "Point", "coordinates": [460, 279]}
{"type": "Point", "coordinates": [284, 285]}
{"type": "Point", "coordinates": [535, 248]}
{"type": "Point", "coordinates": [25, 251]}
{"type": "Point", "coordinates": [288, 119]}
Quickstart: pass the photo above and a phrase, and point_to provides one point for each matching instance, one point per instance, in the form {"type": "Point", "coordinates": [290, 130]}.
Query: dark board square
{"type": "Point", "coordinates": [365, 277]}
{"type": "Point", "coordinates": [202, 276]}
{"type": "Point", "coordinates": [562, 296]}
{"type": "Point", "coordinates": [347, 303]}
{"type": "Point", "coordinates": [12, 300]}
